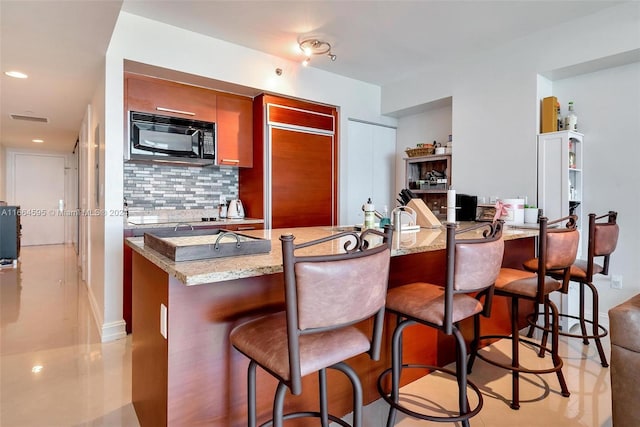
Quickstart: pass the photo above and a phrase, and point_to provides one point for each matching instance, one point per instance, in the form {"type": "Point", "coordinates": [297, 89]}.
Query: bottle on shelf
{"type": "Point", "coordinates": [559, 116]}
{"type": "Point", "coordinates": [571, 120]}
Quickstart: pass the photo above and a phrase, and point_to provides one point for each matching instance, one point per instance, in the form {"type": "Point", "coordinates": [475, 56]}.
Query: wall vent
{"type": "Point", "coordinates": [30, 118]}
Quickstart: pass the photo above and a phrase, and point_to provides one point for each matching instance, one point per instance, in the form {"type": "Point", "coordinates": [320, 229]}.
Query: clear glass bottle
{"type": "Point", "coordinates": [571, 120]}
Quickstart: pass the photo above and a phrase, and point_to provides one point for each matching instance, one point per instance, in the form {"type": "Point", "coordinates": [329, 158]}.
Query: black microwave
{"type": "Point", "coordinates": [153, 137]}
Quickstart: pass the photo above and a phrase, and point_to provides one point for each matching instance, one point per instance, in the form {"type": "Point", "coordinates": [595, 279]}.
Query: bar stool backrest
{"type": "Point", "coordinates": [473, 264]}
{"type": "Point", "coordinates": [329, 292]}
{"type": "Point", "coordinates": [603, 239]}
{"type": "Point", "coordinates": [558, 248]}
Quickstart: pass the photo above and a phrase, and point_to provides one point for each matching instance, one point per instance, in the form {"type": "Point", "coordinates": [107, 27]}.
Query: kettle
{"type": "Point", "coordinates": [235, 210]}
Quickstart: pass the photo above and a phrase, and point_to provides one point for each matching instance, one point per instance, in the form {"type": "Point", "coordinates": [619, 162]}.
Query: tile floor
{"type": "Point", "coordinates": [55, 372]}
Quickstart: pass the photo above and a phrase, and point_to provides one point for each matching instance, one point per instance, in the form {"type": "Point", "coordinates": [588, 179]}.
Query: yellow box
{"type": "Point", "coordinates": [549, 114]}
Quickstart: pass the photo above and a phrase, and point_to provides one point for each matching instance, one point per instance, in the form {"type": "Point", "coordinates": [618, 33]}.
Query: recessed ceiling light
{"type": "Point", "coordinates": [16, 74]}
{"type": "Point", "coordinates": [38, 141]}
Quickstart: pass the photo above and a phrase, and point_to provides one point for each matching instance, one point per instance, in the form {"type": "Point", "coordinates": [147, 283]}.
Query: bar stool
{"type": "Point", "coordinates": [603, 238]}
{"type": "Point", "coordinates": [559, 248]}
{"type": "Point", "coordinates": [325, 296]}
{"type": "Point", "coordinates": [472, 266]}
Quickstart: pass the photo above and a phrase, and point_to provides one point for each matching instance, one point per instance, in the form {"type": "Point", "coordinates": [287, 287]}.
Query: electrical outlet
{"type": "Point", "coordinates": [616, 281]}
{"type": "Point", "coordinates": [163, 320]}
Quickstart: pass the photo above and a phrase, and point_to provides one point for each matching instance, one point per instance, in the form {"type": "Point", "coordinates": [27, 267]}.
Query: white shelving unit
{"type": "Point", "coordinates": [560, 192]}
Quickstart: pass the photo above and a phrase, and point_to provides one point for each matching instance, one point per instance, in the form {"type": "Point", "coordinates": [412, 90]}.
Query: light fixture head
{"type": "Point", "coordinates": [315, 46]}
{"type": "Point", "coordinates": [16, 74]}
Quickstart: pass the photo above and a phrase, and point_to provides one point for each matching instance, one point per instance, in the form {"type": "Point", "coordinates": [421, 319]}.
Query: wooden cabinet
{"type": "Point", "coordinates": [235, 130]}
{"type": "Point", "coordinates": [233, 114]}
{"type": "Point", "coordinates": [151, 95]}
{"type": "Point", "coordinates": [430, 177]}
{"type": "Point", "coordinates": [293, 182]}
{"type": "Point", "coordinates": [128, 253]}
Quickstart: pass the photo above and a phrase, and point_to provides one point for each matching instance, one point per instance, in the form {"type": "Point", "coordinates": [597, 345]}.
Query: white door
{"type": "Point", "coordinates": [39, 191]}
{"type": "Point", "coordinates": [371, 153]}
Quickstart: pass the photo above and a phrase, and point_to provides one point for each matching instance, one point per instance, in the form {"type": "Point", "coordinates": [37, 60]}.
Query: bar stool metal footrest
{"type": "Point", "coordinates": [461, 417]}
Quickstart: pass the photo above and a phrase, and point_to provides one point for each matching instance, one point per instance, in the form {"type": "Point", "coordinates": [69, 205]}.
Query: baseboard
{"type": "Point", "coordinates": [108, 331]}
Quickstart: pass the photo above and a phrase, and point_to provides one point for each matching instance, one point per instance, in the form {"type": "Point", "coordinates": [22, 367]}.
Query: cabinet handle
{"type": "Point", "coordinates": [171, 110]}
{"type": "Point", "coordinates": [230, 161]}
{"type": "Point", "coordinates": [246, 228]}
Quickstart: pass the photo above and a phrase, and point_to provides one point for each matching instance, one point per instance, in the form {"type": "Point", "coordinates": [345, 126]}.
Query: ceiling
{"type": "Point", "coordinates": [61, 44]}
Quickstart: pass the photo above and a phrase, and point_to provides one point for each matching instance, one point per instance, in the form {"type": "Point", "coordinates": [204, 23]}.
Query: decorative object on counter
{"type": "Point", "coordinates": [514, 211]}
{"type": "Point", "coordinates": [190, 245]}
{"type": "Point", "coordinates": [369, 214]}
{"type": "Point", "coordinates": [531, 214]}
{"type": "Point", "coordinates": [440, 149]}
{"type": "Point", "coordinates": [451, 205]}
{"type": "Point", "coordinates": [500, 210]}
{"type": "Point", "coordinates": [385, 220]}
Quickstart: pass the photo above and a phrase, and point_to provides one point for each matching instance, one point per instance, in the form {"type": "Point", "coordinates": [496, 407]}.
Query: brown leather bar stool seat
{"type": "Point", "coordinates": [326, 295]}
{"type": "Point", "coordinates": [472, 267]}
{"type": "Point", "coordinates": [559, 248]}
{"type": "Point", "coordinates": [603, 239]}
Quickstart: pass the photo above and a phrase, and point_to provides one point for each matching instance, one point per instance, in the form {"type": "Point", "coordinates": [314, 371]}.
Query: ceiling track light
{"type": "Point", "coordinates": [312, 47]}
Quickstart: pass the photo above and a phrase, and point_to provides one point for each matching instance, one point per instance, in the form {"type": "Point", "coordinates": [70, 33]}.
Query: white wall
{"type": "Point", "coordinates": [3, 177]}
{"type": "Point", "coordinates": [607, 104]}
{"type": "Point", "coordinates": [149, 42]}
{"type": "Point", "coordinates": [495, 116]}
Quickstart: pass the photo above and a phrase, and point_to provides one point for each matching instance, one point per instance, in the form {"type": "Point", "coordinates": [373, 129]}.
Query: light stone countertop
{"type": "Point", "coordinates": [238, 267]}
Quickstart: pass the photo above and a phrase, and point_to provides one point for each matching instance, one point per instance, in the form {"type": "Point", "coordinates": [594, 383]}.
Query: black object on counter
{"type": "Point", "coordinates": [468, 206]}
{"type": "Point", "coordinates": [406, 195]}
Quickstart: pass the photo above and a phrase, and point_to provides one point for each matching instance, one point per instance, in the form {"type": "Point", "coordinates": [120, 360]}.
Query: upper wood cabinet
{"type": "Point", "coordinates": [235, 130]}
{"type": "Point", "coordinates": [233, 114]}
{"type": "Point", "coordinates": [151, 95]}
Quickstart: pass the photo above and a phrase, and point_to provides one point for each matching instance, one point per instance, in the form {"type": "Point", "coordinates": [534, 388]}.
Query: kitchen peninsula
{"type": "Point", "coordinates": [193, 376]}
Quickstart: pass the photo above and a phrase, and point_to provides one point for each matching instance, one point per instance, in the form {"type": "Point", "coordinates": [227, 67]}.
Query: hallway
{"type": "Point", "coordinates": [55, 372]}
{"type": "Point", "coordinates": [53, 369]}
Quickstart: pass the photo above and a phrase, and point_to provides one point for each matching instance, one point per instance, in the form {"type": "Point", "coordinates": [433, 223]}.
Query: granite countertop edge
{"type": "Point", "coordinates": [245, 266]}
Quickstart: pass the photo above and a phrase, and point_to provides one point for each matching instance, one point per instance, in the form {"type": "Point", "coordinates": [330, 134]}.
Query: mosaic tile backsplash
{"type": "Point", "coordinates": [155, 186]}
